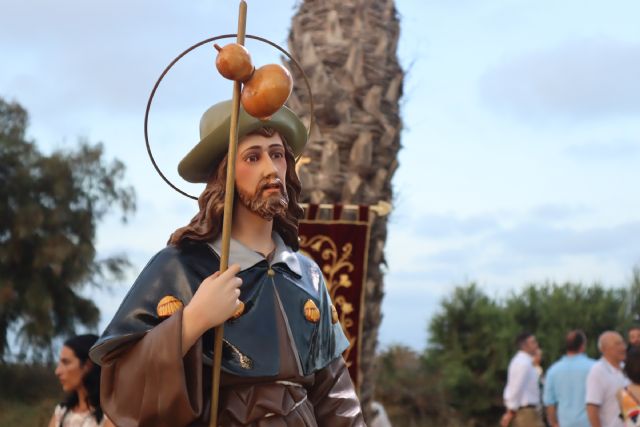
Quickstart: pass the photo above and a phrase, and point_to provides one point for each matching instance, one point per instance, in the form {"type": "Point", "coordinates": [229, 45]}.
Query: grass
{"type": "Point", "coordinates": [28, 395]}
{"type": "Point", "coordinates": [15, 413]}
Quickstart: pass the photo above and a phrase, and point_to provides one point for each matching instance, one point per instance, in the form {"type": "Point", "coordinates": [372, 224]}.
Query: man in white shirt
{"type": "Point", "coordinates": [522, 393]}
{"type": "Point", "coordinates": [605, 379]}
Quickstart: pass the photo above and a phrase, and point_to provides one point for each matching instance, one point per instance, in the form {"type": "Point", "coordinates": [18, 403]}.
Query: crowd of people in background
{"type": "Point", "coordinates": [576, 391]}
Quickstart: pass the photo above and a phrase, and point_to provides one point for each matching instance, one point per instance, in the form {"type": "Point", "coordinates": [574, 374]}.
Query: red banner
{"type": "Point", "coordinates": [340, 247]}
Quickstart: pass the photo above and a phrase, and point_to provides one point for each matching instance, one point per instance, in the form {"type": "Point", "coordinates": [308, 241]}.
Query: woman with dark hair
{"type": "Point", "coordinates": [80, 379]}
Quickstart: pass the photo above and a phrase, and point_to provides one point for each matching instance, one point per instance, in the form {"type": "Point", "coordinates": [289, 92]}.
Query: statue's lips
{"type": "Point", "coordinates": [272, 188]}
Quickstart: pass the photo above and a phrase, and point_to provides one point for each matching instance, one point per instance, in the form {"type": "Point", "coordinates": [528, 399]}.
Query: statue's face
{"type": "Point", "coordinates": [261, 170]}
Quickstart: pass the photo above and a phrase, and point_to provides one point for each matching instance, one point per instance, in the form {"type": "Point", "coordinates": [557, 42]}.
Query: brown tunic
{"type": "Point", "coordinates": [149, 384]}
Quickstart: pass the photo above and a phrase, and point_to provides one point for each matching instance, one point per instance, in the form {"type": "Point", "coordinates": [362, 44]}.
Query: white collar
{"type": "Point", "coordinates": [247, 258]}
{"type": "Point", "coordinates": [610, 367]}
{"type": "Point", "coordinates": [522, 353]}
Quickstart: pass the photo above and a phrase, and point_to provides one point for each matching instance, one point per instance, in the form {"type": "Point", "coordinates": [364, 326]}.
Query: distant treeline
{"type": "Point", "coordinates": [28, 382]}
{"type": "Point", "coordinates": [459, 378]}
{"type": "Point", "coordinates": [28, 394]}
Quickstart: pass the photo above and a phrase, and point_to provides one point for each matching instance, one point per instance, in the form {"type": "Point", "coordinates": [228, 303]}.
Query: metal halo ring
{"type": "Point", "coordinates": [177, 58]}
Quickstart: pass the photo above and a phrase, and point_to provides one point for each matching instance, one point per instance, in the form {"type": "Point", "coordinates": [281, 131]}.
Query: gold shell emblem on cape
{"type": "Point", "coordinates": [168, 305]}
{"type": "Point", "coordinates": [239, 311]}
{"type": "Point", "coordinates": [311, 312]}
{"type": "Point", "coordinates": [334, 315]}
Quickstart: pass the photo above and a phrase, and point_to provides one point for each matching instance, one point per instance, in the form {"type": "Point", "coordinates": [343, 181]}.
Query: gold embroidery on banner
{"type": "Point", "coordinates": [346, 321]}
{"type": "Point", "coordinates": [336, 269]}
{"type": "Point", "coordinates": [336, 261]}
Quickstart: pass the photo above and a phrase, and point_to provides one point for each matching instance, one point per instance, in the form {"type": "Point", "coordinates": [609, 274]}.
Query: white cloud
{"type": "Point", "coordinates": [544, 241]}
{"type": "Point", "coordinates": [582, 79]}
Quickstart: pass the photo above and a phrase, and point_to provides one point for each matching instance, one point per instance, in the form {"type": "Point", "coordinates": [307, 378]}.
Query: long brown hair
{"type": "Point", "coordinates": [206, 225]}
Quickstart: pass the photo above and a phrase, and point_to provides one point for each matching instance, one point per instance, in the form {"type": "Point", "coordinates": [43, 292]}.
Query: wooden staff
{"type": "Point", "coordinates": [227, 216]}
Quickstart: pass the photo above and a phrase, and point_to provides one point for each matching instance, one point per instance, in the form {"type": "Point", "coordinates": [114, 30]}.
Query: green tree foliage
{"type": "Point", "coordinates": [467, 346]}
{"type": "Point", "coordinates": [411, 394]}
{"type": "Point", "coordinates": [51, 205]}
{"type": "Point", "coordinates": [551, 310]}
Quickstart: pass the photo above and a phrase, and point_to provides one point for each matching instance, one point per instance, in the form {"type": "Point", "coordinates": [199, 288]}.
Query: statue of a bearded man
{"type": "Point", "coordinates": [282, 344]}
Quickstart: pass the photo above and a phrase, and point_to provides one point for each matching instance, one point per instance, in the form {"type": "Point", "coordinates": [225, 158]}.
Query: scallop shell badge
{"type": "Point", "coordinates": [334, 315]}
{"type": "Point", "coordinates": [311, 312]}
{"type": "Point", "coordinates": [168, 305]}
{"type": "Point", "coordinates": [239, 311]}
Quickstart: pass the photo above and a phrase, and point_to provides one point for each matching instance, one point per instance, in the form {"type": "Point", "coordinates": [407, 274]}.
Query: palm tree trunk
{"type": "Point", "coordinates": [348, 51]}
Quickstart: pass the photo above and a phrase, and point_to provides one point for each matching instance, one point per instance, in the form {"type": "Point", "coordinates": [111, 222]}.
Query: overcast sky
{"type": "Point", "coordinates": [521, 143]}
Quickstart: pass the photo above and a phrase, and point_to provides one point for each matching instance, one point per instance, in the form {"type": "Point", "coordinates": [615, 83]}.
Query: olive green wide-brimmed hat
{"type": "Point", "coordinates": [198, 164]}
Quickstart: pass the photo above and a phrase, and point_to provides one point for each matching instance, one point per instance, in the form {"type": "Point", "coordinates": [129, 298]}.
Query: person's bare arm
{"type": "Point", "coordinates": [593, 412]}
{"type": "Point", "coordinates": [107, 422]}
{"type": "Point", "coordinates": [552, 415]}
{"type": "Point", "coordinates": [507, 417]}
{"type": "Point", "coordinates": [52, 421]}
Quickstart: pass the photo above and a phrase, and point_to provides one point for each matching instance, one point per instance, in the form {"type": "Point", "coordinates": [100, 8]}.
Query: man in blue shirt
{"type": "Point", "coordinates": [565, 385]}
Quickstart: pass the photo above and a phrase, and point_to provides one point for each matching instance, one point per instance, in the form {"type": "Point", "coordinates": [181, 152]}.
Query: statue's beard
{"type": "Point", "coordinates": [269, 205]}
